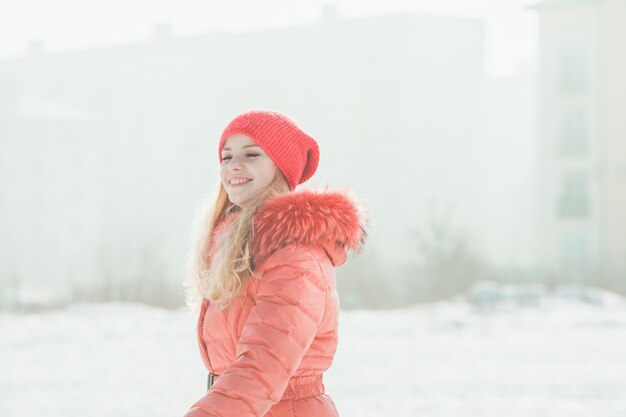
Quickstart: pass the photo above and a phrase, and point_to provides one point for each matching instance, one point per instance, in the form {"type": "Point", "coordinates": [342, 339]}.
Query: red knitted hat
{"type": "Point", "coordinates": [293, 151]}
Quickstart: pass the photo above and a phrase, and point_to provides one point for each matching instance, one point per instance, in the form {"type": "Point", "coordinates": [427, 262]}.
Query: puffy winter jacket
{"type": "Point", "coordinates": [270, 348]}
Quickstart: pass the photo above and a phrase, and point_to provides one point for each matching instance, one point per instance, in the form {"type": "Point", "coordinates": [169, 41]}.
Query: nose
{"type": "Point", "coordinates": [234, 164]}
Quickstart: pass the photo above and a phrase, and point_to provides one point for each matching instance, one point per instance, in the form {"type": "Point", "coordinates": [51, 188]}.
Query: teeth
{"type": "Point", "coordinates": [241, 181]}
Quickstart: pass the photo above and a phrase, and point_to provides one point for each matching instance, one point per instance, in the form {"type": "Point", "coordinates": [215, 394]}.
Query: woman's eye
{"type": "Point", "coordinates": [249, 155]}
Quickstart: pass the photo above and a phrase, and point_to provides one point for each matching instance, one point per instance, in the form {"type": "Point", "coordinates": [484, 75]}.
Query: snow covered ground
{"type": "Point", "coordinates": [499, 351]}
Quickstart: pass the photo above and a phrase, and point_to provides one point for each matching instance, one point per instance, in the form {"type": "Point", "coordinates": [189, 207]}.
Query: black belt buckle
{"type": "Point", "coordinates": [210, 380]}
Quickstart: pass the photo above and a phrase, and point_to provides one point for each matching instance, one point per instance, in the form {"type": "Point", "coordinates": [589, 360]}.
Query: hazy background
{"type": "Point", "coordinates": [486, 138]}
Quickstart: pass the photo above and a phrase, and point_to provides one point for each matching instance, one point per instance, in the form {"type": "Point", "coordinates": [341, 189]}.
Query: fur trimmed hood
{"type": "Point", "coordinates": [331, 219]}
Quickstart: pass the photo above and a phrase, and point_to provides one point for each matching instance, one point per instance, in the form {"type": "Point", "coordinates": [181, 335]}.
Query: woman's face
{"type": "Point", "coordinates": [246, 169]}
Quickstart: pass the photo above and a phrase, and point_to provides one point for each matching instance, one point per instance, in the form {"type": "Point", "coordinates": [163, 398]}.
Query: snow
{"type": "Point", "coordinates": [500, 350]}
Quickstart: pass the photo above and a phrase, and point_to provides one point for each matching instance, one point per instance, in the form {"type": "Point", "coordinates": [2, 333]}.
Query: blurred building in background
{"type": "Point", "coordinates": [583, 140]}
{"type": "Point", "coordinates": [105, 153]}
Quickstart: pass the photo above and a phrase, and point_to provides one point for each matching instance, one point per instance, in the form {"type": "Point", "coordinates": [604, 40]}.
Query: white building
{"type": "Point", "coordinates": [583, 139]}
{"type": "Point", "coordinates": [126, 136]}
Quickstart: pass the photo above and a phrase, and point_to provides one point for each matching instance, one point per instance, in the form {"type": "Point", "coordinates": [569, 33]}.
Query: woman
{"type": "Point", "coordinates": [263, 265]}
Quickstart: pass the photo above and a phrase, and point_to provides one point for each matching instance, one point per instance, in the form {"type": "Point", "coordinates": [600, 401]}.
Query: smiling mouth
{"type": "Point", "coordinates": [239, 181]}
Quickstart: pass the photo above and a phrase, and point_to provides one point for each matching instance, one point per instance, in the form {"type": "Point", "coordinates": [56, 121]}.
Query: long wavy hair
{"type": "Point", "coordinates": [217, 270]}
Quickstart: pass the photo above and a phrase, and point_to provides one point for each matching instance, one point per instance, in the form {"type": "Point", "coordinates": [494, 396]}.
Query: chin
{"type": "Point", "coordinates": [239, 201]}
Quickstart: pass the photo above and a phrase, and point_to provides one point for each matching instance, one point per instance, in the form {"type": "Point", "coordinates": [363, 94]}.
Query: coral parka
{"type": "Point", "coordinates": [270, 347]}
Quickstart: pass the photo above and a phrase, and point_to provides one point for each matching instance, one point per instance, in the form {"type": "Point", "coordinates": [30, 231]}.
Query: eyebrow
{"type": "Point", "coordinates": [247, 146]}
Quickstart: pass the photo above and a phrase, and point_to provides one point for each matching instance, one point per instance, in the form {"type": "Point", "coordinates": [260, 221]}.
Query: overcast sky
{"type": "Point", "coordinates": [73, 24]}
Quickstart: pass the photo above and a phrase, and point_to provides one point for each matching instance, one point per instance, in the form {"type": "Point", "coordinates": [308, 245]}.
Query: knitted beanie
{"type": "Point", "coordinates": [294, 152]}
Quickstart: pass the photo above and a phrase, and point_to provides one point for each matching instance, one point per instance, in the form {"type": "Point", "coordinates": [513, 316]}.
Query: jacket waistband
{"type": "Point", "coordinates": [298, 387]}
{"type": "Point", "coordinates": [304, 386]}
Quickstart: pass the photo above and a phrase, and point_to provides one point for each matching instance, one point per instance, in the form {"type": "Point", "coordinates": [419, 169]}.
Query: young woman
{"type": "Point", "coordinates": [263, 268]}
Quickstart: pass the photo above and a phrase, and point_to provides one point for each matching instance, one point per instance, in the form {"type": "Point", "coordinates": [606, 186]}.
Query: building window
{"type": "Point", "coordinates": [573, 132]}
{"type": "Point", "coordinates": [572, 71]}
{"type": "Point", "coordinates": [574, 198]}
{"type": "Point", "coordinates": [574, 252]}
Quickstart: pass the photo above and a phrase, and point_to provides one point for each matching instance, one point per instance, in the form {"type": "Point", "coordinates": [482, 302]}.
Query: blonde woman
{"type": "Point", "coordinates": [263, 268]}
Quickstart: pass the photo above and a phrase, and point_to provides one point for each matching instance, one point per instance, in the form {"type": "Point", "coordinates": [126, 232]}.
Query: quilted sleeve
{"type": "Point", "coordinates": [281, 326]}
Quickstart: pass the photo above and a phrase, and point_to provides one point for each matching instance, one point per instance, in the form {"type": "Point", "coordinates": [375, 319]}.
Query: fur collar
{"type": "Point", "coordinates": [328, 218]}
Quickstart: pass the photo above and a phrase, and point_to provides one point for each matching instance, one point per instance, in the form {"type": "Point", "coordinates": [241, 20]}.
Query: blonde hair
{"type": "Point", "coordinates": [220, 278]}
